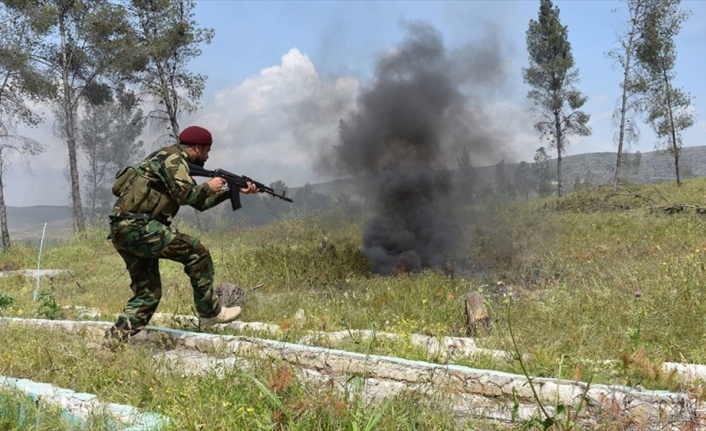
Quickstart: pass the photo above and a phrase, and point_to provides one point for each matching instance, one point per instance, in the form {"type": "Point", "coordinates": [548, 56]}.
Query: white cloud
{"type": "Point", "coordinates": [273, 125]}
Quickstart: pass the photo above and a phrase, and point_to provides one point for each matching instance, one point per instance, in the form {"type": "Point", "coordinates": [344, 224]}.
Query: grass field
{"type": "Point", "coordinates": [603, 283]}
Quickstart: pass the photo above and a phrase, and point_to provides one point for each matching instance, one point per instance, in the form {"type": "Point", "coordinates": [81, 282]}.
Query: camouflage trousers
{"type": "Point", "coordinates": [141, 243]}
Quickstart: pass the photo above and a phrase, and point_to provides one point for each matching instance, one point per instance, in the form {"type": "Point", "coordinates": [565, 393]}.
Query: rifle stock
{"type": "Point", "coordinates": [235, 183]}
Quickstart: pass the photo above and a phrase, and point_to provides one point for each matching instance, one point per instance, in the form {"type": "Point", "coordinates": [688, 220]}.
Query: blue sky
{"type": "Point", "coordinates": [345, 39]}
{"type": "Point", "coordinates": [270, 60]}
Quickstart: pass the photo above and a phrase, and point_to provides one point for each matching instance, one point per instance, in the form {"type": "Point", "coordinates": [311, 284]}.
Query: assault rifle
{"type": "Point", "coordinates": [235, 182]}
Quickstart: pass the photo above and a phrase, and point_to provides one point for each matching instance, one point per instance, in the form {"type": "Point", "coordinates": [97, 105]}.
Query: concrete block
{"type": "Point", "coordinates": [490, 391]}
{"type": "Point", "coordinates": [79, 406]}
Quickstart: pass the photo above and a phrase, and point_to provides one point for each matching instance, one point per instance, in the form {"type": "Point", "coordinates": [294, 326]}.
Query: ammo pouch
{"type": "Point", "coordinates": [123, 180]}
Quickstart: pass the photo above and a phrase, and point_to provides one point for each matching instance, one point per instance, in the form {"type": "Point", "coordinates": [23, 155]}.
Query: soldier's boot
{"type": "Point", "coordinates": [113, 340]}
{"type": "Point", "coordinates": [227, 315]}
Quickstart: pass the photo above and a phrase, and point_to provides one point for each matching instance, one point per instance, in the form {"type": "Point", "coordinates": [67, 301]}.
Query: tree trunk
{"type": "Point", "coordinates": [672, 126]}
{"type": "Point", "coordinates": [559, 148]}
{"type": "Point", "coordinates": [3, 216]}
{"type": "Point", "coordinates": [69, 129]}
{"type": "Point", "coordinates": [634, 15]}
{"type": "Point", "coordinates": [623, 114]}
{"type": "Point", "coordinates": [175, 124]}
{"type": "Point", "coordinates": [676, 164]}
{"type": "Point", "coordinates": [79, 221]}
{"type": "Point", "coordinates": [170, 102]}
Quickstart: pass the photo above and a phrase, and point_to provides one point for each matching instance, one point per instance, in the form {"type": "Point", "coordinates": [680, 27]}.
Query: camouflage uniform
{"type": "Point", "coordinates": [141, 233]}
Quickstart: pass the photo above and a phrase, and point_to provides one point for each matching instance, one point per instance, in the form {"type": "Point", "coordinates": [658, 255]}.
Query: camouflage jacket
{"type": "Point", "coordinates": [161, 185]}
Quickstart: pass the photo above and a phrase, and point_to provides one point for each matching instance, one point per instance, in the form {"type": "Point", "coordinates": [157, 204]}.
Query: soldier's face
{"type": "Point", "coordinates": [202, 154]}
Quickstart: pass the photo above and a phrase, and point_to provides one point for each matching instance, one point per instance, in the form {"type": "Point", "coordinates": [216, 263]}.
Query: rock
{"type": "Point", "coordinates": [34, 273]}
{"type": "Point", "coordinates": [325, 247]}
{"type": "Point", "coordinates": [300, 317]}
{"type": "Point", "coordinates": [230, 295]}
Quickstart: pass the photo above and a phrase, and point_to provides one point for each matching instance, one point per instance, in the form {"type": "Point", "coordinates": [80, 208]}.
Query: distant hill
{"type": "Point", "coordinates": [27, 223]}
{"type": "Point", "coordinates": [596, 168]}
{"type": "Point", "coordinates": [638, 168]}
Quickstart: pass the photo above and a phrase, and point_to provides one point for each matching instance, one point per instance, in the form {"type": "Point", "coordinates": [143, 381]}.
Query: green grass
{"type": "Point", "coordinates": [20, 412]}
{"type": "Point", "coordinates": [570, 268]}
{"type": "Point", "coordinates": [268, 396]}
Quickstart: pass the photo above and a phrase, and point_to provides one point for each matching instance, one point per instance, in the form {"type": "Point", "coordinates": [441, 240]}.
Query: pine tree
{"type": "Point", "coordinates": [631, 100]}
{"type": "Point", "coordinates": [553, 77]}
{"type": "Point", "coordinates": [666, 106]}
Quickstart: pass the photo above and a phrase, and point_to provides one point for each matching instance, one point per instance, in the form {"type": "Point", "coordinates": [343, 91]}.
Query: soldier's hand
{"type": "Point", "coordinates": [216, 184]}
{"type": "Point", "coordinates": [250, 189]}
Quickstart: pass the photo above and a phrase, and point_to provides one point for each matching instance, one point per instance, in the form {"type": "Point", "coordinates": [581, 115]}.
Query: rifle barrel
{"type": "Point", "coordinates": [236, 180]}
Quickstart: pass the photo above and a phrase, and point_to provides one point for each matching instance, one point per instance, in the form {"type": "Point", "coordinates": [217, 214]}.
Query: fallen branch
{"type": "Point", "coordinates": [678, 208]}
{"type": "Point", "coordinates": [650, 201]}
{"type": "Point", "coordinates": [669, 209]}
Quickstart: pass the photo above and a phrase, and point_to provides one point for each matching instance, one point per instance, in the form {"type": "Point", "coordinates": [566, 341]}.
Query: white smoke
{"type": "Point", "coordinates": [272, 125]}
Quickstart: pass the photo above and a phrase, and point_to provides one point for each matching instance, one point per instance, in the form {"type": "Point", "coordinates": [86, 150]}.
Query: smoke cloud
{"type": "Point", "coordinates": [421, 109]}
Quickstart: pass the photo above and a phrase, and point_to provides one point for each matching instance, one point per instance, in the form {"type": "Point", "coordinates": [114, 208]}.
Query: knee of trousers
{"type": "Point", "coordinates": [200, 260]}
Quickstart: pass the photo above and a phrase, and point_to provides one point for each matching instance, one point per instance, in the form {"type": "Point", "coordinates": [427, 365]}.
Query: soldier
{"type": "Point", "coordinates": [149, 197]}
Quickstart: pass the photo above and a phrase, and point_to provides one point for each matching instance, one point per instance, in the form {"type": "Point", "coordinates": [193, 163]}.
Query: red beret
{"type": "Point", "coordinates": [195, 135]}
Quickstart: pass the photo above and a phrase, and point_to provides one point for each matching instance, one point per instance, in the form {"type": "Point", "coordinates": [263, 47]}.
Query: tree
{"type": "Point", "coordinates": [82, 45]}
{"type": "Point", "coordinates": [577, 183]}
{"type": "Point", "coordinates": [589, 180]}
{"type": "Point", "coordinates": [128, 124]}
{"type": "Point", "coordinates": [166, 39]}
{"type": "Point", "coordinates": [552, 76]}
{"type": "Point", "coordinates": [307, 200]}
{"type": "Point", "coordinates": [109, 139]}
{"type": "Point", "coordinates": [635, 162]}
{"type": "Point", "coordinates": [273, 207]}
{"type": "Point", "coordinates": [631, 100]}
{"type": "Point", "coordinates": [541, 172]}
{"type": "Point", "coordinates": [667, 107]}
{"type": "Point", "coordinates": [467, 175]}
{"type": "Point", "coordinates": [525, 180]}
{"type": "Point", "coordinates": [20, 82]}
{"type": "Point", "coordinates": [503, 186]}
{"type": "Point", "coordinates": [92, 138]}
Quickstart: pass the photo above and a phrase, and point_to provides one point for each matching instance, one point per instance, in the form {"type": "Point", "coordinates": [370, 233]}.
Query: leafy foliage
{"type": "Point", "coordinates": [541, 172]}
{"type": "Point", "coordinates": [81, 43]}
{"type": "Point", "coordinates": [5, 301]}
{"type": "Point", "coordinates": [165, 38]}
{"type": "Point", "coordinates": [47, 307]}
{"type": "Point", "coordinates": [109, 137]}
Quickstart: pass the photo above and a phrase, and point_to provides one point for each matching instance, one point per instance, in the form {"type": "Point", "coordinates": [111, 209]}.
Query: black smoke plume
{"type": "Point", "coordinates": [409, 122]}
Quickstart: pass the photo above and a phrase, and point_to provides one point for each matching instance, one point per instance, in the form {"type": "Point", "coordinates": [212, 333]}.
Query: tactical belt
{"type": "Point", "coordinates": [132, 216]}
{"type": "Point", "coordinates": [138, 216]}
